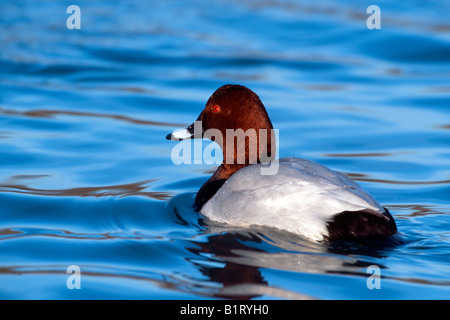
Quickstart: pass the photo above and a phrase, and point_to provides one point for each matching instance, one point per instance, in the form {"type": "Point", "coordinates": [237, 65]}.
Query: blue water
{"type": "Point", "coordinates": [86, 176]}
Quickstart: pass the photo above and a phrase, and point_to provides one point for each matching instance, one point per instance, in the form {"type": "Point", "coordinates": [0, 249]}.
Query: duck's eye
{"type": "Point", "coordinates": [216, 108]}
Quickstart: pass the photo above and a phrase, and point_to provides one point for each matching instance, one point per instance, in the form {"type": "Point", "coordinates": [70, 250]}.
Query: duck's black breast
{"type": "Point", "coordinates": [206, 192]}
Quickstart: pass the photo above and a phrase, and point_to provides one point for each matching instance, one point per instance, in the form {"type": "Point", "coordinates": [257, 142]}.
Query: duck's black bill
{"type": "Point", "coordinates": [194, 131]}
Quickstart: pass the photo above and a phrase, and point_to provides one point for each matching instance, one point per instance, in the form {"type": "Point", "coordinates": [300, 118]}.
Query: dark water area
{"type": "Point", "coordinates": [87, 179]}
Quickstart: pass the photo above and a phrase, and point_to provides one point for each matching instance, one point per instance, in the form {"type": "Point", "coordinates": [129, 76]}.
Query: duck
{"type": "Point", "coordinates": [253, 188]}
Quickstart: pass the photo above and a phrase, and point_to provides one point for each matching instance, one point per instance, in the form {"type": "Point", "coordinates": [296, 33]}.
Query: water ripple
{"type": "Point", "coordinates": [364, 177]}
{"type": "Point", "coordinates": [12, 233]}
{"type": "Point", "coordinates": [51, 113]}
{"type": "Point", "coordinates": [121, 190]}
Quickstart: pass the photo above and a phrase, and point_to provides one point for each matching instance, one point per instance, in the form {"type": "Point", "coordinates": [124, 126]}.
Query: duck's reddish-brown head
{"type": "Point", "coordinates": [234, 116]}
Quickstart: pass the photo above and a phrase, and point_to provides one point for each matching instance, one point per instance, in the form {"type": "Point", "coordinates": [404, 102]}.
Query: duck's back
{"type": "Point", "coordinates": [303, 197]}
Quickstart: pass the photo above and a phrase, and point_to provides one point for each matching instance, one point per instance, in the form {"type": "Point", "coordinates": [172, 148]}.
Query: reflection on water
{"type": "Point", "coordinates": [361, 177]}
{"type": "Point", "coordinates": [124, 190]}
{"type": "Point", "coordinates": [51, 113]}
{"type": "Point", "coordinates": [85, 171]}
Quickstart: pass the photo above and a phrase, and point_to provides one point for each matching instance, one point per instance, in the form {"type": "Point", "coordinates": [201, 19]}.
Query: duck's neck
{"type": "Point", "coordinates": [224, 171]}
{"type": "Point", "coordinates": [244, 151]}
{"type": "Point", "coordinates": [231, 164]}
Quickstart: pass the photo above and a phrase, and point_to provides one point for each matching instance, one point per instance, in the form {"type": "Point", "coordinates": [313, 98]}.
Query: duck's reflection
{"type": "Point", "coordinates": [235, 258]}
{"type": "Point", "coordinates": [221, 247]}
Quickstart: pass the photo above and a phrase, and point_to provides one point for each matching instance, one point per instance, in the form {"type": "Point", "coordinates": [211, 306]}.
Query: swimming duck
{"type": "Point", "coordinates": [300, 196]}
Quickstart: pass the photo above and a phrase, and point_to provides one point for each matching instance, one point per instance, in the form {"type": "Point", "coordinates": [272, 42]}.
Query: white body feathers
{"type": "Point", "coordinates": [301, 198]}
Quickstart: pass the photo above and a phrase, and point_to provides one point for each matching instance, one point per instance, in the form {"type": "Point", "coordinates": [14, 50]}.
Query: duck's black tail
{"type": "Point", "coordinates": [361, 225]}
